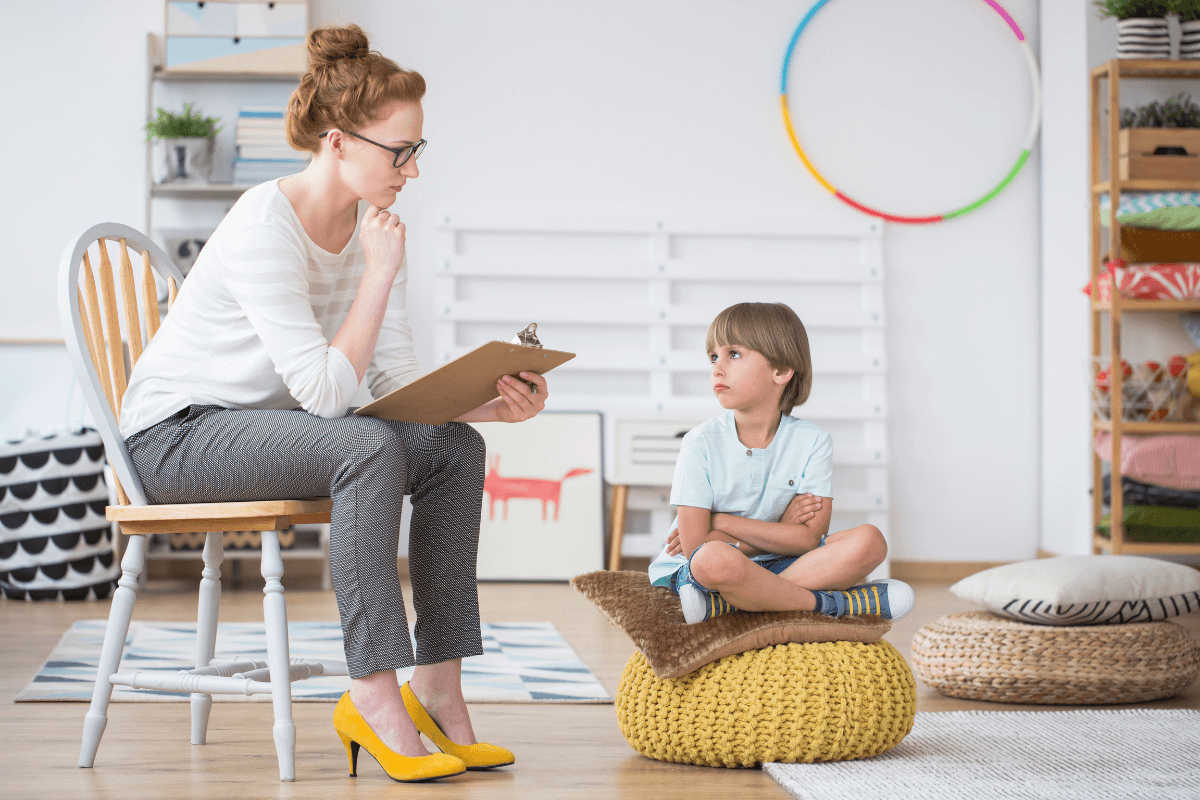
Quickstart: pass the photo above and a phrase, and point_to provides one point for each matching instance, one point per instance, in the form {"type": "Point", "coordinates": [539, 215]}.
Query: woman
{"type": "Point", "coordinates": [244, 392]}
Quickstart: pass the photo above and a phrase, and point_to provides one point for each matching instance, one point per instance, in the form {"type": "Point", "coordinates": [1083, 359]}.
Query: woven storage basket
{"type": "Point", "coordinates": [981, 656]}
{"type": "Point", "coordinates": [824, 701]}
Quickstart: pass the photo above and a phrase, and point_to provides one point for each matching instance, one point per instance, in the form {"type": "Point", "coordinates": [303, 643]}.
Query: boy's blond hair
{"type": "Point", "coordinates": [774, 330]}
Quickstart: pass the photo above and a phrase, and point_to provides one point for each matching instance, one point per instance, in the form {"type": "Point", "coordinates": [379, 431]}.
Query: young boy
{"type": "Point", "coordinates": [752, 489]}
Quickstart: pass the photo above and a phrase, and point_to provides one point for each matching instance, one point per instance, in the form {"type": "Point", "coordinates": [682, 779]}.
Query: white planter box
{"type": "Point", "coordinates": [187, 159]}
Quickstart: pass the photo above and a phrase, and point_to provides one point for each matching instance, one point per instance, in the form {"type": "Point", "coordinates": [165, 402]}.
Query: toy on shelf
{"type": "Point", "coordinates": [1150, 392]}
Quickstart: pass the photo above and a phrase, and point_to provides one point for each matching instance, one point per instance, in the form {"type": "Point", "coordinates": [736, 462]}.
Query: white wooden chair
{"type": "Point", "coordinates": [92, 327]}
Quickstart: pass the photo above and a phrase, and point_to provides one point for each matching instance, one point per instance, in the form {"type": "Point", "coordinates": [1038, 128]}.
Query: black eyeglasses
{"type": "Point", "coordinates": [403, 154]}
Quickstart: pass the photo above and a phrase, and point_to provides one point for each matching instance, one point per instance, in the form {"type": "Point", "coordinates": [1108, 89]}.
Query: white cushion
{"type": "Point", "coordinates": [1085, 590]}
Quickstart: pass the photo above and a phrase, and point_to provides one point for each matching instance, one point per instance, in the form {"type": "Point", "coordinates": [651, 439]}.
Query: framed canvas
{"type": "Point", "coordinates": [543, 498]}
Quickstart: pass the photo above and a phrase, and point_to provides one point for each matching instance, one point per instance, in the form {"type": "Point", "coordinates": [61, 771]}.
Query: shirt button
{"type": "Point", "coordinates": [791, 483]}
{"type": "Point", "coordinates": [749, 453]}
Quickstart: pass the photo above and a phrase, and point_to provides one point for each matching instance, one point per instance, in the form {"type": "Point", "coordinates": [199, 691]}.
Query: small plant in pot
{"type": "Point", "coordinates": [182, 149]}
{"type": "Point", "coordinates": [1142, 30]}
{"type": "Point", "coordinates": [1161, 140]}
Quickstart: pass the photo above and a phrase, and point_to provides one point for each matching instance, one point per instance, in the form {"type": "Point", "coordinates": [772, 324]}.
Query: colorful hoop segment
{"type": "Point", "coordinates": [1034, 124]}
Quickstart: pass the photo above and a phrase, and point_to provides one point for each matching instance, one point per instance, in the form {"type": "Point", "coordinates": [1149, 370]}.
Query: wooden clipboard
{"type": "Point", "coordinates": [463, 384]}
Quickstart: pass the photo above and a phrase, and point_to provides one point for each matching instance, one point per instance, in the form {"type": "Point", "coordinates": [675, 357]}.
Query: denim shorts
{"type": "Point", "coordinates": [774, 563]}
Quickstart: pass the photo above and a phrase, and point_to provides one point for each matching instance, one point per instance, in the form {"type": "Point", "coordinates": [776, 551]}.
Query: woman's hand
{"type": "Point", "coordinates": [520, 401]}
{"type": "Point", "coordinates": [382, 236]}
{"type": "Point", "coordinates": [517, 401]}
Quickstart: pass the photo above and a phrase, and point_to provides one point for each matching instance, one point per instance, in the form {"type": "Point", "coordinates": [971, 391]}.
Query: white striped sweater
{"type": "Point", "coordinates": [252, 324]}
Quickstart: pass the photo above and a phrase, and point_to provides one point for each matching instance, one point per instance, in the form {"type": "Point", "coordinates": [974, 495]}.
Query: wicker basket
{"type": "Point", "coordinates": [981, 656]}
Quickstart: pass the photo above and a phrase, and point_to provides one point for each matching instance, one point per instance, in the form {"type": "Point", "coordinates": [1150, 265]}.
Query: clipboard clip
{"type": "Point", "coordinates": [527, 337]}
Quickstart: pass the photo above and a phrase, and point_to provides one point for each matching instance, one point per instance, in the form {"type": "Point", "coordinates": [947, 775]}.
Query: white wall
{"type": "Point", "coordinates": [1066, 419]}
{"type": "Point", "coordinates": [666, 106]}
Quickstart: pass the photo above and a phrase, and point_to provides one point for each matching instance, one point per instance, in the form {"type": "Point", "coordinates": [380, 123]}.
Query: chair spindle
{"type": "Point", "coordinates": [95, 337]}
{"type": "Point", "coordinates": [112, 327]}
{"type": "Point", "coordinates": [149, 297]}
{"type": "Point", "coordinates": [172, 290]}
{"type": "Point", "coordinates": [133, 321]}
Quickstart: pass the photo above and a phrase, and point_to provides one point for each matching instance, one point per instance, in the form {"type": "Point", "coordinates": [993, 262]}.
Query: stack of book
{"type": "Point", "coordinates": [263, 153]}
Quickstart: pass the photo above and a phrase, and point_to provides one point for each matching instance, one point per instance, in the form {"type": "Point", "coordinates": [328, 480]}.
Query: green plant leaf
{"type": "Point", "coordinates": [166, 125]}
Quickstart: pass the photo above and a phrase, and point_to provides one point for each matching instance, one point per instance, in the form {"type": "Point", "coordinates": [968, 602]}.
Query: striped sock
{"type": "Point", "coordinates": [831, 604]}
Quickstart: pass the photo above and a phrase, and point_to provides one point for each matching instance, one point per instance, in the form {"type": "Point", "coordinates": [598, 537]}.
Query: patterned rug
{"type": "Point", "coordinates": [522, 662]}
{"type": "Point", "coordinates": [1088, 754]}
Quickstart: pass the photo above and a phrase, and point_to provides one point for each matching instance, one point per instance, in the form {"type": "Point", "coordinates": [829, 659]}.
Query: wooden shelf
{"type": "Point", "coordinates": [1162, 427]}
{"type": "Point", "coordinates": [200, 191]}
{"type": "Point", "coordinates": [1145, 185]}
{"type": "Point", "coordinates": [1148, 305]}
{"type": "Point", "coordinates": [172, 76]}
{"type": "Point", "coordinates": [1149, 68]}
{"type": "Point", "coordinates": [1104, 157]}
{"type": "Point", "coordinates": [1149, 548]}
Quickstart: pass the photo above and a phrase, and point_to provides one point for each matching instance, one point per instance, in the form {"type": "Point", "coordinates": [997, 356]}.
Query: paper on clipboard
{"type": "Point", "coordinates": [465, 383]}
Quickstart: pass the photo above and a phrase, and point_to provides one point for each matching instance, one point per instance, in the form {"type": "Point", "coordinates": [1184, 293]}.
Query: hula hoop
{"type": "Point", "coordinates": [1034, 124]}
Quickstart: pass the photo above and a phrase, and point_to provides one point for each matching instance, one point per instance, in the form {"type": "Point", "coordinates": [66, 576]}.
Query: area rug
{"type": "Point", "coordinates": [1051, 755]}
{"type": "Point", "coordinates": [522, 662]}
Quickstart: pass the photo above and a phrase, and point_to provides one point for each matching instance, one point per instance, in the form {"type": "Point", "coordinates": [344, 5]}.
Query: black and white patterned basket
{"type": "Point", "coordinates": [1143, 38]}
{"type": "Point", "coordinates": [54, 539]}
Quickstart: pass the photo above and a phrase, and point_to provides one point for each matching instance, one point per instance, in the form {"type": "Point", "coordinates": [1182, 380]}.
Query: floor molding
{"type": "Point", "coordinates": [940, 571]}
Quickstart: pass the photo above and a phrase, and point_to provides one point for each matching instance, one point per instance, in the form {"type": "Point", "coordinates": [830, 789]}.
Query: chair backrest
{"type": "Point", "coordinates": [92, 325]}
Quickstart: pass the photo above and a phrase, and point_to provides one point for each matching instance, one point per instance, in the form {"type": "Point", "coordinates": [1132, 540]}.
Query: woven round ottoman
{"type": "Point", "coordinates": [827, 701]}
{"type": "Point", "coordinates": [982, 656]}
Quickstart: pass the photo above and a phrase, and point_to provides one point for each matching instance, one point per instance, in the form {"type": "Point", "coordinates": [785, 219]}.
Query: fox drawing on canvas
{"type": "Point", "coordinates": [504, 489]}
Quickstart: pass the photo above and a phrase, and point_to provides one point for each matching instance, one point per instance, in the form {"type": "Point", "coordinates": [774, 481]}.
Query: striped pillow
{"type": "Point", "coordinates": [1085, 590]}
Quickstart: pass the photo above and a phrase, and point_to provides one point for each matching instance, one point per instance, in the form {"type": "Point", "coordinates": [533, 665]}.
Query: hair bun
{"type": "Point", "coordinates": [332, 43]}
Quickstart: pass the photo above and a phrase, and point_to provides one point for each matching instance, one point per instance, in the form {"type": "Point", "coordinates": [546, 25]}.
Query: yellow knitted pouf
{"type": "Point", "coordinates": [825, 701]}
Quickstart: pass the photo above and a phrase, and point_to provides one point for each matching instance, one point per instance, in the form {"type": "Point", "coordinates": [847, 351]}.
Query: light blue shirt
{"type": "Point", "coordinates": [716, 471]}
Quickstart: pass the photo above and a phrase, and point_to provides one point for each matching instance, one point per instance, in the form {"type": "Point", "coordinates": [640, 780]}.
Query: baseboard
{"type": "Point", "coordinates": [939, 571]}
{"type": "Point", "coordinates": [635, 563]}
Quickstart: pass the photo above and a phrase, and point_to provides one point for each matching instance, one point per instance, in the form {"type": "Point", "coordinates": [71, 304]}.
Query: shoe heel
{"type": "Point", "coordinates": [351, 753]}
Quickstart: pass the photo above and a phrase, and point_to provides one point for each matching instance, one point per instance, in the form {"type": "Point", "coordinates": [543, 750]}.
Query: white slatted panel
{"type": "Point", "coordinates": [633, 296]}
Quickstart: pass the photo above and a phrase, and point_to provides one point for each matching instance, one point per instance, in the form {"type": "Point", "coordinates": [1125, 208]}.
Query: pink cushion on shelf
{"type": "Point", "coordinates": [1172, 461]}
{"type": "Point", "coordinates": [1149, 281]}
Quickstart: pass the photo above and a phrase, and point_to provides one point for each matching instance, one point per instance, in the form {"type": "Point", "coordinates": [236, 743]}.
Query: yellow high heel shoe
{"type": "Point", "coordinates": [355, 733]}
{"type": "Point", "coordinates": [476, 756]}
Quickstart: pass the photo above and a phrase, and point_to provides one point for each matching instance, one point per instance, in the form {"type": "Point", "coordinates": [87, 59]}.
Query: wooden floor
{"type": "Point", "coordinates": [563, 751]}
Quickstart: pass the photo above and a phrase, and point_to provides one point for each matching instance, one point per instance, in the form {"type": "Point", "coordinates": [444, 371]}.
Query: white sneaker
{"type": "Point", "coordinates": [699, 605]}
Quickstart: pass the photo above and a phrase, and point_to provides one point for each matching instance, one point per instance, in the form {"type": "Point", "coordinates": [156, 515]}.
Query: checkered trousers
{"type": "Point", "coordinates": [210, 454]}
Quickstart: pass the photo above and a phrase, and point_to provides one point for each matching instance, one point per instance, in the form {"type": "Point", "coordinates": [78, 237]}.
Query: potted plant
{"type": "Point", "coordinates": [1142, 30]}
{"type": "Point", "coordinates": [182, 146]}
{"type": "Point", "coordinates": [1161, 140]}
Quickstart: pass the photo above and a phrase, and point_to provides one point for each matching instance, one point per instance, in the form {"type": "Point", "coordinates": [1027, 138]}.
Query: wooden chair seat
{"type": "Point", "coordinates": [257, 515]}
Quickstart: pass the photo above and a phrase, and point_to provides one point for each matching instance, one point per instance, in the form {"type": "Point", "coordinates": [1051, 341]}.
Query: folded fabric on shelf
{"type": "Point", "coordinates": [1171, 460]}
{"type": "Point", "coordinates": [1156, 524]}
{"type": "Point", "coordinates": [1149, 281]}
{"type": "Point", "coordinates": [1146, 210]}
{"type": "Point", "coordinates": [1140, 493]}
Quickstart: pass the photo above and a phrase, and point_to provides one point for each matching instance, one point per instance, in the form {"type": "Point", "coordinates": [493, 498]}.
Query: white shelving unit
{"type": "Point", "coordinates": [176, 210]}
{"type": "Point", "coordinates": [633, 295]}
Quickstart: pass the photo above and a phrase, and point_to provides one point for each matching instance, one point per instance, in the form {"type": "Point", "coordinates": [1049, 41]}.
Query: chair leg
{"type": "Point", "coordinates": [620, 499]}
{"type": "Point", "coordinates": [206, 627]}
{"type": "Point", "coordinates": [278, 657]}
{"type": "Point", "coordinates": [119, 615]}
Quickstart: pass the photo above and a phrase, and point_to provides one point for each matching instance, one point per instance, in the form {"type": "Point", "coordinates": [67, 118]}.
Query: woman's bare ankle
{"type": "Point", "coordinates": [448, 710]}
{"type": "Point", "coordinates": [378, 701]}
